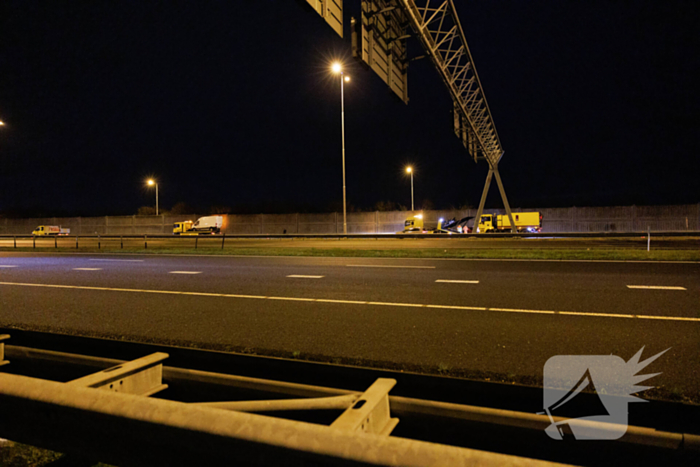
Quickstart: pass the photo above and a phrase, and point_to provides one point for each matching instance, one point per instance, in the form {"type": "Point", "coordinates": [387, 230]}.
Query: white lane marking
{"type": "Point", "coordinates": [87, 269]}
{"type": "Point", "coordinates": [614, 315]}
{"type": "Point", "coordinates": [8, 265]}
{"type": "Point", "coordinates": [353, 302]}
{"type": "Point", "coordinates": [522, 260]}
{"type": "Point", "coordinates": [185, 272]}
{"type": "Point", "coordinates": [120, 260]}
{"type": "Point", "coordinates": [300, 276]}
{"type": "Point", "coordinates": [448, 281]}
{"type": "Point", "coordinates": [387, 266]}
{"type": "Point", "coordinates": [539, 312]}
{"type": "Point", "coordinates": [655, 287]}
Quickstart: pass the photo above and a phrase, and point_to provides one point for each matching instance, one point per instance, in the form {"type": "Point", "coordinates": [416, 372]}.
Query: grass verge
{"type": "Point", "coordinates": [14, 454]}
{"type": "Point", "coordinates": [20, 455]}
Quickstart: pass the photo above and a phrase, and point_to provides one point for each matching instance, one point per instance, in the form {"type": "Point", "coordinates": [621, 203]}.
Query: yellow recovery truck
{"type": "Point", "coordinates": [50, 230]}
{"type": "Point", "coordinates": [182, 227]}
{"type": "Point", "coordinates": [524, 222]}
{"type": "Point", "coordinates": [415, 224]}
{"type": "Point", "coordinates": [204, 225]}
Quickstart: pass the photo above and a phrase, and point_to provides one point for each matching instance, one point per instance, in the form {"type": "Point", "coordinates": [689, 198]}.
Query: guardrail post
{"type": "Point", "coordinates": [55, 241]}
{"type": "Point", "coordinates": [33, 241]}
{"type": "Point", "coordinates": [99, 244]}
{"type": "Point", "coordinates": [2, 349]}
{"type": "Point", "coordinates": [223, 239]}
{"type": "Point", "coordinates": [76, 242]}
{"type": "Point", "coordinates": [143, 376]}
{"type": "Point", "coordinates": [121, 242]}
{"type": "Point", "coordinates": [14, 239]}
{"type": "Point", "coordinates": [648, 238]}
{"type": "Point", "coordinates": [145, 242]}
{"type": "Point", "coordinates": [196, 240]}
{"type": "Point", "coordinates": [371, 412]}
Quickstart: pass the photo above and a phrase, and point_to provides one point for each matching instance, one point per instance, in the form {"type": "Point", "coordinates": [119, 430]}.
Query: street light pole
{"type": "Point", "coordinates": [152, 182]}
{"type": "Point", "coordinates": [410, 170]}
{"type": "Point", "coordinates": [337, 68]}
{"type": "Point", "coordinates": [342, 126]}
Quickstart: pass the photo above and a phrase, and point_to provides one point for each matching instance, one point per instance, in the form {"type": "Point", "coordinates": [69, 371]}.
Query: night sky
{"type": "Point", "coordinates": [231, 104]}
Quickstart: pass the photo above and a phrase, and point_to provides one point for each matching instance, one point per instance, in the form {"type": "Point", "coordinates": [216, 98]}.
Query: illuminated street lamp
{"type": "Point", "coordinates": [338, 69]}
{"type": "Point", "coordinates": [152, 182]}
{"type": "Point", "coordinates": [409, 170]}
{"type": "Point", "coordinates": [2, 123]}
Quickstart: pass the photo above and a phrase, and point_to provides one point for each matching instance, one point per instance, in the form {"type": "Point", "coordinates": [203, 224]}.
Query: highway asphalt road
{"type": "Point", "coordinates": [487, 317]}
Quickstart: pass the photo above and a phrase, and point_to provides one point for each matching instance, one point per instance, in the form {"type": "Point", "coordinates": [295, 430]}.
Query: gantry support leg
{"type": "Point", "coordinates": [480, 211]}
{"type": "Point", "coordinates": [513, 228]}
{"type": "Point", "coordinates": [494, 171]}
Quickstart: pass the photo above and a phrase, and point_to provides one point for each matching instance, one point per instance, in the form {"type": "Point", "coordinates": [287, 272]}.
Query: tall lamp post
{"type": "Point", "coordinates": [152, 182]}
{"type": "Point", "coordinates": [338, 69]}
{"type": "Point", "coordinates": [410, 170]}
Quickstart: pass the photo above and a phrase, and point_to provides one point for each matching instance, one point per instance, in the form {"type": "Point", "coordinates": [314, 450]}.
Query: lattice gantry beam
{"type": "Point", "coordinates": [438, 28]}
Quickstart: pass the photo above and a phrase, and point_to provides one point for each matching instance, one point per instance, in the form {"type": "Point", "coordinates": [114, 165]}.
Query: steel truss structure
{"type": "Point", "coordinates": [438, 29]}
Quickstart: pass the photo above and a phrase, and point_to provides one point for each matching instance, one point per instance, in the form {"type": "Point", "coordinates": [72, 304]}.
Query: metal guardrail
{"type": "Point", "coordinates": [117, 425]}
{"type": "Point", "coordinates": [398, 235]}
{"type": "Point", "coordinates": [320, 397]}
{"type": "Point", "coordinates": [309, 380]}
{"type": "Point", "coordinates": [90, 418]}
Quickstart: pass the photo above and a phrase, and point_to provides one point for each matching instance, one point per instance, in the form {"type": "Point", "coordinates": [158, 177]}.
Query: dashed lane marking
{"type": "Point", "coordinates": [87, 269]}
{"type": "Point", "coordinates": [355, 302]}
{"type": "Point", "coordinates": [185, 272]}
{"type": "Point", "coordinates": [300, 276]}
{"type": "Point", "coordinates": [449, 281]}
{"type": "Point", "coordinates": [655, 287]}
{"type": "Point", "coordinates": [118, 260]}
{"type": "Point", "coordinates": [387, 266]}
{"type": "Point", "coordinates": [8, 265]}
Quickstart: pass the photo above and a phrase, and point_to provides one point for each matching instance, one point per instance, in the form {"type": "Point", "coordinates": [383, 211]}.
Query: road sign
{"type": "Point", "coordinates": [331, 11]}
{"type": "Point", "coordinates": [379, 41]}
{"type": "Point", "coordinates": [464, 132]}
